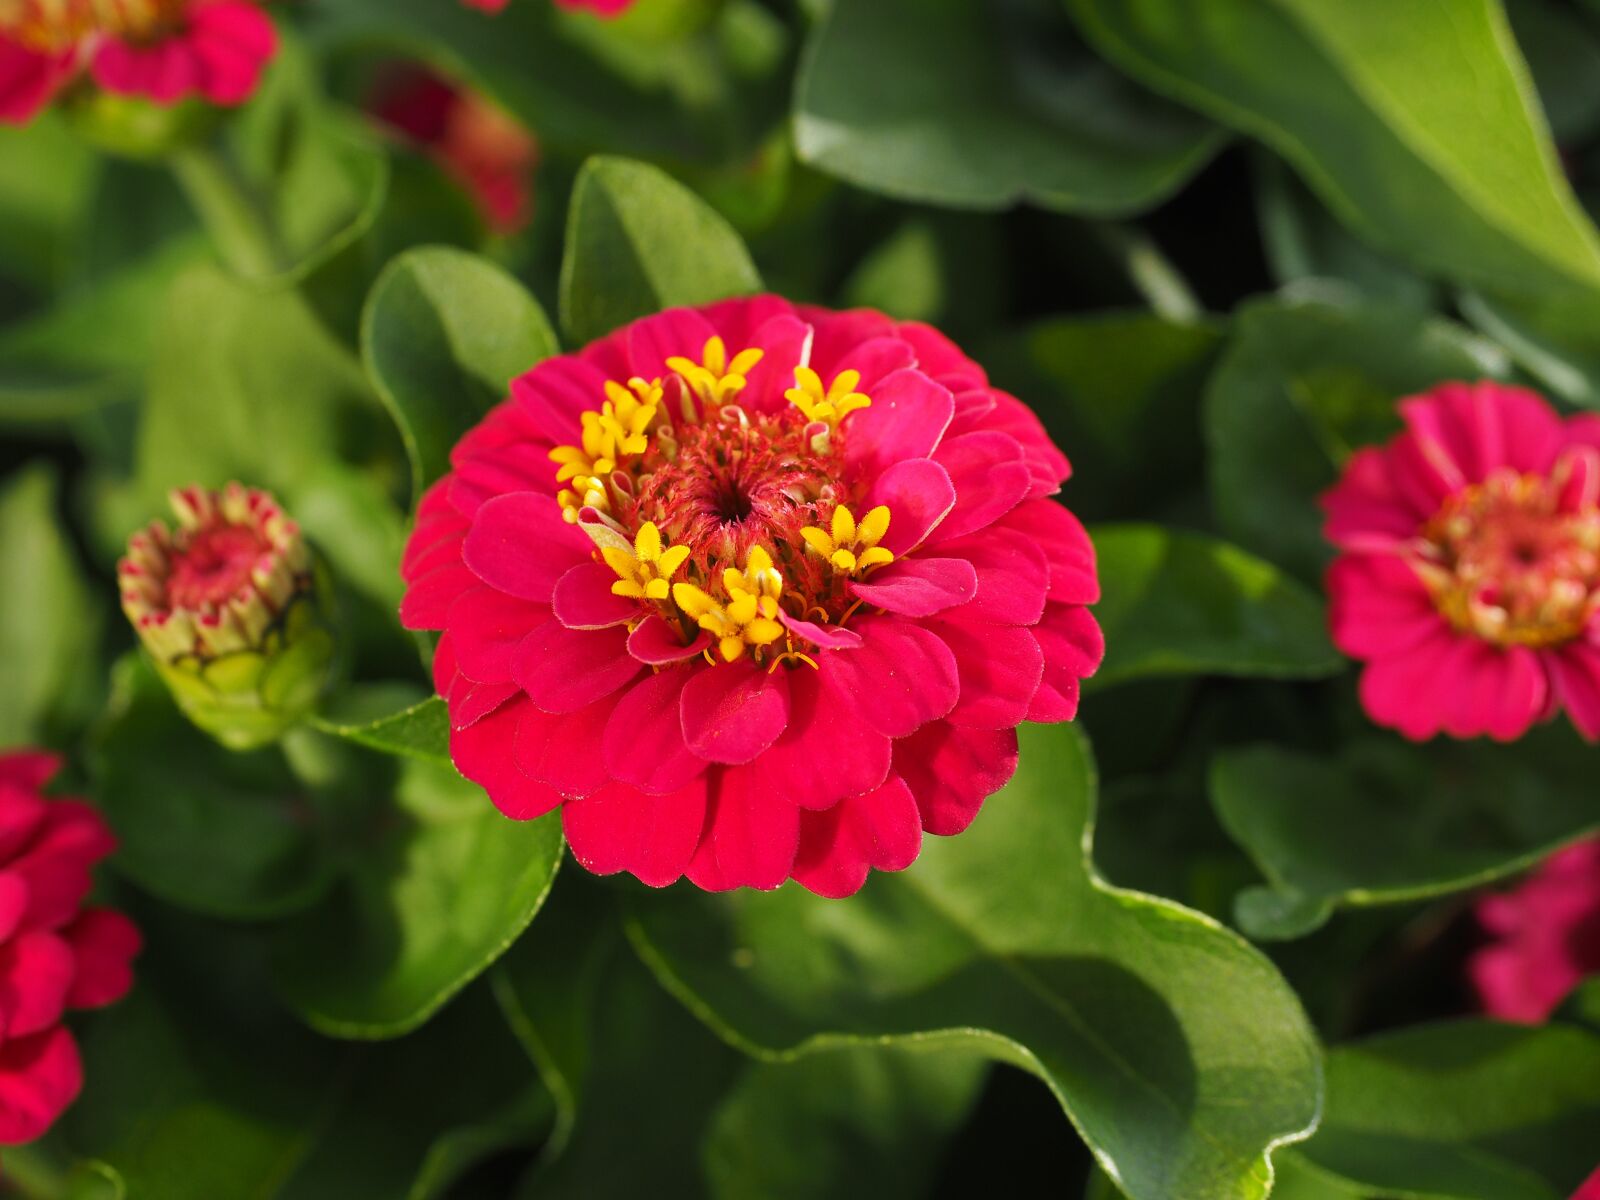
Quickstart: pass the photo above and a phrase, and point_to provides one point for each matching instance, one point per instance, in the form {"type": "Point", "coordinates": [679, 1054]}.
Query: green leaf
{"type": "Point", "coordinates": [1302, 385]}
{"type": "Point", "coordinates": [442, 335]}
{"type": "Point", "coordinates": [46, 621]}
{"type": "Point", "coordinates": [975, 105]}
{"type": "Point", "coordinates": [203, 1088]}
{"type": "Point", "coordinates": [292, 182]}
{"type": "Point", "coordinates": [1415, 123]}
{"type": "Point", "coordinates": [1120, 392]}
{"type": "Point", "coordinates": [1304, 241]}
{"type": "Point", "coordinates": [639, 242]}
{"type": "Point", "coordinates": [854, 1121]}
{"type": "Point", "coordinates": [1173, 1047]}
{"type": "Point", "coordinates": [224, 833]}
{"type": "Point", "coordinates": [421, 731]}
{"type": "Point", "coordinates": [641, 1085]}
{"type": "Point", "coordinates": [1238, 615]}
{"type": "Point", "coordinates": [1384, 823]}
{"type": "Point", "coordinates": [1462, 1111]}
{"type": "Point", "coordinates": [438, 892]}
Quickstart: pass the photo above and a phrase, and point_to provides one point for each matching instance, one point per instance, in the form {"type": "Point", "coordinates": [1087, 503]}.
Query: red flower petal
{"type": "Point", "coordinates": [619, 828]}
{"type": "Point", "coordinates": [39, 1077]}
{"type": "Point", "coordinates": [751, 835]}
{"type": "Point", "coordinates": [919, 587]}
{"type": "Point", "coordinates": [881, 829]}
{"type": "Point", "coordinates": [902, 677]}
{"type": "Point", "coordinates": [104, 944]}
{"type": "Point", "coordinates": [951, 771]}
{"type": "Point", "coordinates": [731, 713]}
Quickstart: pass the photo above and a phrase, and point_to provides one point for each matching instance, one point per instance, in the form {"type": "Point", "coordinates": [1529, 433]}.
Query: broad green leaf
{"type": "Point", "coordinates": [1173, 1047]}
{"type": "Point", "coordinates": [420, 730]}
{"type": "Point", "coordinates": [48, 627]}
{"type": "Point", "coordinates": [434, 896]}
{"type": "Point", "coordinates": [1384, 823]}
{"type": "Point", "coordinates": [1303, 384]}
{"type": "Point", "coordinates": [1177, 603]}
{"type": "Point", "coordinates": [652, 1102]}
{"type": "Point", "coordinates": [292, 182]}
{"type": "Point", "coordinates": [442, 335]}
{"type": "Point", "coordinates": [1416, 123]}
{"type": "Point", "coordinates": [853, 1121]}
{"type": "Point", "coordinates": [1120, 393]}
{"type": "Point", "coordinates": [204, 1088]}
{"type": "Point", "coordinates": [224, 833]}
{"type": "Point", "coordinates": [638, 242]}
{"type": "Point", "coordinates": [1303, 241]}
{"type": "Point", "coordinates": [977, 105]}
{"type": "Point", "coordinates": [1467, 1110]}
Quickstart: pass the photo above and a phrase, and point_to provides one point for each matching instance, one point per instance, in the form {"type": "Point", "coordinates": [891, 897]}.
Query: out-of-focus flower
{"type": "Point", "coordinates": [754, 591]}
{"type": "Point", "coordinates": [1469, 573]}
{"type": "Point", "coordinates": [473, 139]}
{"type": "Point", "coordinates": [231, 610]}
{"type": "Point", "coordinates": [160, 50]}
{"type": "Point", "coordinates": [1589, 1189]}
{"type": "Point", "coordinates": [55, 954]}
{"type": "Point", "coordinates": [1546, 936]}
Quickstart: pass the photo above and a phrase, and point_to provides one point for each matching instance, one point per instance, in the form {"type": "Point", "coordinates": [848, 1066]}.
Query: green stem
{"type": "Point", "coordinates": [1150, 272]}
{"type": "Point", "coordinates": [231, 210]}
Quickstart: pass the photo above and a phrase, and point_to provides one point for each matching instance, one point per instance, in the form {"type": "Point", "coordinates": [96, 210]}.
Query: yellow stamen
{"type": "Point", "coordinates": [831, 405]}
{"type": "Point", "coordinates": [748, 615]}
{"type": "Point", "coordinates": [646, 571]}
{"type": "Point", "coordinates": [851, 547]}
{"type": "Point", "coordinates": [715, 380]}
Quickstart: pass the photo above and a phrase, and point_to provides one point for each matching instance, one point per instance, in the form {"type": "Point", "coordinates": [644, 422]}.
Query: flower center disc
{"type": "Point", "coordinates": [1505, 561]}
{"type": "Point", "coordinates": [214, 564]}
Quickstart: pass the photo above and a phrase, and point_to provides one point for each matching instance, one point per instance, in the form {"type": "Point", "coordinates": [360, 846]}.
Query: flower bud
{"type": "Point", "coordinates": [234, 611]}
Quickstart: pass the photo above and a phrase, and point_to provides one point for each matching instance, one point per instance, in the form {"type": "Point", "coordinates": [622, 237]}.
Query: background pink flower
{"type": "Point", "coordinates": [752, 592]}
{"type": "Point", "coordinates": [1546, 936]}
{"type": "Point", "coordinates": [1469, 573]}
{"type": "Point", "coordinates": [163, 50]}
{"type": "Point", "coordinates": [54, 953]}
{"type": "Point", "coordinates": [605, 8]}
{"type": "Point", "coordinates": [478, 143]}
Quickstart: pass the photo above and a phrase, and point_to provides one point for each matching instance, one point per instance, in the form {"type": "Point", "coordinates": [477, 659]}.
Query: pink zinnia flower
{"type": "Point", "coordinates": [754, 591]}
{"type": "Point", "coordinates": [1546, 936]}
{"type": "Point", "coordinates": [1469, 577]}
{"type": "Point", "coordinates": [1589, 1189]}
{"type": "Point", "coordinates": [162, 50]}
{"type": "Point", "coordinates": [476, 142]}
{"type": "Point", "coordinates": [54, 953]}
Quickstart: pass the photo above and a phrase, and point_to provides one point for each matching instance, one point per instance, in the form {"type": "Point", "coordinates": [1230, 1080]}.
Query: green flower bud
{"type": "Point", "coordinates": [234, 611]}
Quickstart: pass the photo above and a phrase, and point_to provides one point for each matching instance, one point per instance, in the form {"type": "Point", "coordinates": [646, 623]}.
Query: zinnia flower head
{"type": "Point", "coordinates": [475, 141]}
{"type": "Point", "coordinates": [231, 611]}
{"type": "Point", "coordinates": [753, 591]}
{"type": "Point", "coordinates": [1545, 936]}
{"type": "Point", "coordinates": [55, 954]}
{"type": "Point", "coordinates": [1469, 572]}
{"type": "Point", "coordinates": [161, 50]}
